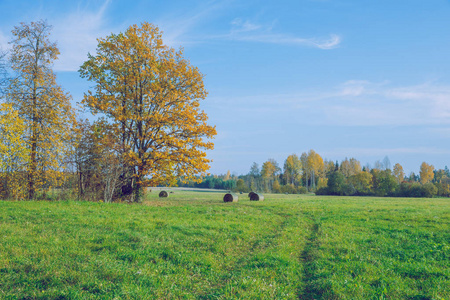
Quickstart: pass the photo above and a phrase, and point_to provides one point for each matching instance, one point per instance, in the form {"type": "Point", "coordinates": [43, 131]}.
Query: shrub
{"type": "Point", "coordinates": [429, 190]}
{"type": "Point", "coordinates": [302, 190]}
{"type": "Point", "coordinates": [289, 189]}
{"type": "Point", "coordinates": [322, 191]}
{"type": "Point", "coordinates": [415, 189]}
{"type": "Point", "coordinates": [349, 190]}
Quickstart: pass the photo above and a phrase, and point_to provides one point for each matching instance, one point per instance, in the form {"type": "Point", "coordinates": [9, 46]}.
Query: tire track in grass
{"type": "Point", "coordinates": [257, 246]}
{"type": "Point", "coordinates": [313, 286]}
{"type": "Point", "coordinates": [308, 258]}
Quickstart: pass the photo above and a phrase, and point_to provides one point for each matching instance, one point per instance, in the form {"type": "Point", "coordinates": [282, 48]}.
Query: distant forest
{"type": "Point", "coordinates": [311, 173]}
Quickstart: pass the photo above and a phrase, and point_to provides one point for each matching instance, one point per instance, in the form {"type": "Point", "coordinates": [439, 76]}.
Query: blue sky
{"type": "Point", "coordinates": [347, 78]}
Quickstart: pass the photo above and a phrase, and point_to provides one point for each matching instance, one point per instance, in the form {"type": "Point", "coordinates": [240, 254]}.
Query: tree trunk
{"type": "Point", "coordinates": [33, 165]}
{"type": "Point", "coordinates": [137, 192]}
{"type": "Point", "coordinates": [137, 189]}
{"type": "Point", "coordinates": [306, 181]}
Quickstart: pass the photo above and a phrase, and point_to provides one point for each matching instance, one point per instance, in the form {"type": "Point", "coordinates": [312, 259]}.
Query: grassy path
{"type": "Point", "coordinates": [308, 258]}
{"type": "Point", "coordinates": [267, 268]}
{"type": "Point", "coordinates": [194, 246]}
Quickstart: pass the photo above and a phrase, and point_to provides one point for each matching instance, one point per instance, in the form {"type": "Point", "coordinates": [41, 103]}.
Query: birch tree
{"type": "Point", "coordinates": [399, 173]}
{"type": "Point", "coordinates": [292, 169]}
{"type": "Point", "coordinates": [40, 101]}
{"type": "Point", "coordinates": [426, 173]}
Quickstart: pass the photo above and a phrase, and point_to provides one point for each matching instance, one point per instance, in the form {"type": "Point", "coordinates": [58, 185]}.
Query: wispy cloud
{"type": "Point", "coordinates": [325, 43]}
{"type": "Point", "coordinates": [435, 97]}
{"type": "Point", "coordinates": [4, 41]}
{"type": "Point", "coordinates": [245, 30]}
{"type": "Point", "coordinates": [352, 103]}
{"type": "Point", "coordinates": [354, 88]}
{"type": "Point", "coordinates": [77, 34]}
{"type": "Point", "coordinates": [386, 151]}
{"type": "Point", "coordinates": [239, 25]}
{"type": "Point", "coordinates": [363, 102]}
{"type": "Point", "coordinates": [179, 25]}
{"type": "Point", "coordinates": [178, 30]}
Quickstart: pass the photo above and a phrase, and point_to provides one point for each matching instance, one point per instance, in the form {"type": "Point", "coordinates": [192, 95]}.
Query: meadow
{"type": "Point", "coordinates": [192, 245]}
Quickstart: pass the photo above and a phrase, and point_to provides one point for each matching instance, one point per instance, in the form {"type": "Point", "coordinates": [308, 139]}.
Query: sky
{"type": "Point", "coordinates": [347, 78]}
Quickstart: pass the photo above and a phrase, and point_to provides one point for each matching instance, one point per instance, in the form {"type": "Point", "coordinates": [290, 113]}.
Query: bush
{"type": "Point", "coordinates": [322, 191]}
{"type": "Point", "coordinates": [349, 190]}
{"type": "Point", "coordinates": [289, 189]}
{"type": "Point", "coordinates": [276, 187]}
{"type": "Point", "coordinates": [415, 189]}
{"type": "Point", "coordinates": [241, 186]}
{"type": "Point", "coordinates": [302, 190]}
{"type": "Point", "coordinates": [429, 190]}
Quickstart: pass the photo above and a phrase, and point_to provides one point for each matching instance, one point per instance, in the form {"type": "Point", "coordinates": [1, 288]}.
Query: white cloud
{"type": "Point", "coordinates": [359, 102]}
{"type": "Point", "coordinates": [352, 103]}
{"type": "Point", "coordinates": [386, 151]}
{"type": "Point", "coordinates": [178, 25]}
{"type": "Point", "coordinates": [77, 33]}
{"type": "Point", "coordinates": [435, 97]}
{"type": "Point", "coordinates": [238, 25]}
{"type": "Point", "coordinates": [177, 29]}
{"type": "Point", "coordinates": [325, 43]}
{"type": "Point", "coordinates": [4, 39]}
{"type": "Point", "coordinates": [354, 87]}
{"type": "Point", "coordinates": [251, 32]}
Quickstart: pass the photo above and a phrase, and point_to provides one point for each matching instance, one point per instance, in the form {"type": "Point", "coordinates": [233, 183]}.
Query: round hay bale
{"type": "Point", "coordinates": [250, 194]}
{"type": "Point", "coordinates": [230, 198]}
{"type": "Point", "coordinates": [163, 194]}
{"type": "Point", "coordinates": [256, 197]}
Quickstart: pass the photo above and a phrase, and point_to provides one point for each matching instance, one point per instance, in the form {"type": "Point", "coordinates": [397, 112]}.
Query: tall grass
{"type": "Point", "coordinates": [193, 246]}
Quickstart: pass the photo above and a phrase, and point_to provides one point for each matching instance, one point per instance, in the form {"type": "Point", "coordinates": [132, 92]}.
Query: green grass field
{"type": "Point", "coordinates": [194, 246]}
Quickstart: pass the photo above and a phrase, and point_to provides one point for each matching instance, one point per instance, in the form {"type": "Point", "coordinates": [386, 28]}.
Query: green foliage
{"type": "Point", "coordinates": [292, 169]}
{"type": "Point", "coordinates": [384, 182]}
{"type": "Point", "coordinates": [380, 183]}
{"type": "Point", "coordinates": [362, 183]}
{"type": "Point", "coordinates": [289, 189]}
{"type": "Point", "coordinates": [241, 187]}
{"type": "Point", "coordinates": [194, 246]}
{"type": "Point", "coordinates": [415, 189]}
{"type": "Point", "coordinates": [302, 190]}
{"type": "Point", "coordinates": [41, 103]}
{"type": "Point", "coordinates": [336, 182]}
{"type": "Point", "coordinates": [276, 187]}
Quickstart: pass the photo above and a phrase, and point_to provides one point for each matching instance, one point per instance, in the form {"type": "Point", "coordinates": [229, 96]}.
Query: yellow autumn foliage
{"type": "Point", "coordinates": [150, 95]}
{"type": "Point", "coordinates": [14, 154]}
{"type": "Point", "coordinates": [42, 104]}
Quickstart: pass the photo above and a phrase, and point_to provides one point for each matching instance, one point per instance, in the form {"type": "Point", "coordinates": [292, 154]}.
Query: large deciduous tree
{"type": "Point", "coordinates": [41, 103]}
{"type": "Point", "coordinates": [150, 95]}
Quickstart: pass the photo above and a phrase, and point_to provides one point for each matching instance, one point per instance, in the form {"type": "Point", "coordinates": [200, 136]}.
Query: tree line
{"type": "Point", "coordinates": [309, 172]}
{"type": "Point", "coordinates": [149, 127]}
